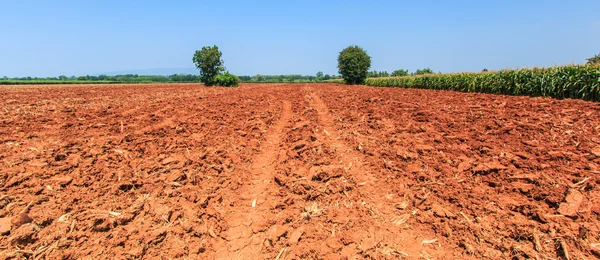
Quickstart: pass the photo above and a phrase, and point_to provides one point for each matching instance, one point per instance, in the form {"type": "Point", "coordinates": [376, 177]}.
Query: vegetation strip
{"type": "Point", "coordinates": [578, 81]}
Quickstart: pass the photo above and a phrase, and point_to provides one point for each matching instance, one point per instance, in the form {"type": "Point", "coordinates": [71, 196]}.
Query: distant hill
{"type": "Point", "coordinates": [158, 72]}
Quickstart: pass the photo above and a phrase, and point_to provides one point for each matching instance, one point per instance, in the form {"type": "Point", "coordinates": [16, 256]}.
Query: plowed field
{"type": "Point", "coordinates": [293, 171]}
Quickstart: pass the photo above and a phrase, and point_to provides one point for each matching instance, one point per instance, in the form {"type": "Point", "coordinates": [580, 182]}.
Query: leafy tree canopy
{"type": "Point", "coordinates": [423, 71]}
{"type": "Point", "coordinates": [209, 62]}
{"type": "Point", "coordinates": [353, 64]}
{"type": "Point", "coordinates": [399, 73]}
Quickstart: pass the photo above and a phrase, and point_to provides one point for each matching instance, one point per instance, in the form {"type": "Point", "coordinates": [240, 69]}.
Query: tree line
{"type": "Point", "coordinates": [175, 78]}
{"type": "Point", "coordinates": [398, 73]}
{"type": "Point", "coordinates": [126, 78]}
{"type": "Point", "coordinates": [353, 65]}
{"type": "Point", "coordinates": [319, 77]}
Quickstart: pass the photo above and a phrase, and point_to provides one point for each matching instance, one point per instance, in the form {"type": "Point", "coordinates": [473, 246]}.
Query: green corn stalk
{"type": "Point", "coordinates": [575, 81]}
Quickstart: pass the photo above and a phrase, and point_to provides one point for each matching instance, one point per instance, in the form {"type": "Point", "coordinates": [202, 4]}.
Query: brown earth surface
{"type": "Point", "coordinates": [295, 171]}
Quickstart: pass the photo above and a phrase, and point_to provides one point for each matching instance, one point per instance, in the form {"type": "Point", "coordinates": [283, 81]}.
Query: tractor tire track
{"type": "Point", "coordinates": [391, 224]}
{"type": "Point", "coordinates": [249, 220]}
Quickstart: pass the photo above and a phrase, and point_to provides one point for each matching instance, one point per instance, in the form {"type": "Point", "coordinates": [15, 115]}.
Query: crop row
{"type": "Point", "coordinates": [576, 81]}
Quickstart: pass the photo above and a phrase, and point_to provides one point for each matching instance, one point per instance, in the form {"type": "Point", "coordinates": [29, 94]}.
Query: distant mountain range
{"type": "Point", "coordinates": [158, 72]}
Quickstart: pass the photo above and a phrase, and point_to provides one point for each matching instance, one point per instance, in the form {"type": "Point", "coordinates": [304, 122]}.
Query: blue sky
{"type": "Point", "coordinates": [51, 38]}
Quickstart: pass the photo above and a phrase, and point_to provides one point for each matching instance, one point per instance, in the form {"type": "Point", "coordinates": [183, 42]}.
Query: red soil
{"type": "Point", "coordinates": [295, 171]}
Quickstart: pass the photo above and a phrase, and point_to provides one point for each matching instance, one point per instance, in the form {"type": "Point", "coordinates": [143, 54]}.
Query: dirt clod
{"type": "Point", "coordinates": [5, 225]}
{"type": "Point", "coordinates": [571, 204]}
{"type": "Point", "coordinates": [24, 235]}
{"type": "Point", "coordinates": [20, 219]}
{"type": "Point", "coordinates": [596, 151]}
{"type": "Point", "coordinates": [295, 236]}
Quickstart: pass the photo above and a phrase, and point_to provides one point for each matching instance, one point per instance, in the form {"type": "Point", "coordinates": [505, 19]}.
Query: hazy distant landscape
{"type": "Point", "coordinates": [158, 72]}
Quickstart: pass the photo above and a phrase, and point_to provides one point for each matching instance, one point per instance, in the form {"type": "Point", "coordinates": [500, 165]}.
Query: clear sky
{"type": "Point", "coordinates": [50, 38]}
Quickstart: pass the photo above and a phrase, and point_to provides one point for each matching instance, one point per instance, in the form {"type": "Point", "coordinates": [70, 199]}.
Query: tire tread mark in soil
{"type": "Point", "coordinates": [368, 182]}
{"type": "Point", "coordinates": [248, 221]}
{"type": "Point", "coordinates": [347, 154]}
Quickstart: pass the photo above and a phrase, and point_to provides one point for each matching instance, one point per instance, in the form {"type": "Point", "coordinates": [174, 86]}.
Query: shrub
{"type": "Point", "coordinates": [353, 64]}
{"type": "Point", "coordinates": [226, 80]}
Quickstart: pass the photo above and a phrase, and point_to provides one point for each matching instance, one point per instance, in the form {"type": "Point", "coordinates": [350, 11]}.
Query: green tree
{"type": "Point", "coordinates": [484, 70]}
{"type": "Point", "coordinates": [209, 62]}
{"type": "Point", "coordinates": [423, 71]}
{"type": "Point", "coordinates": [5, 77]}
{"type": "Point", "coordinates": [245, 78]}
{"type": "Point", "coordinates": [62, 77]}
{"type": "Point", "coordinates": [377, 74]}
{"type": "Point", "coordinates": [594, 60]}
{"type": "Point", "coordinates": [399, 73]}
{"type": "Point", "coordinates": [353, 64]}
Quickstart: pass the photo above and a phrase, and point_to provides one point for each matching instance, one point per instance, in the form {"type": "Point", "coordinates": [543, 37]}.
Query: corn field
{"type": "Point", "coordinates": [577, 81]}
